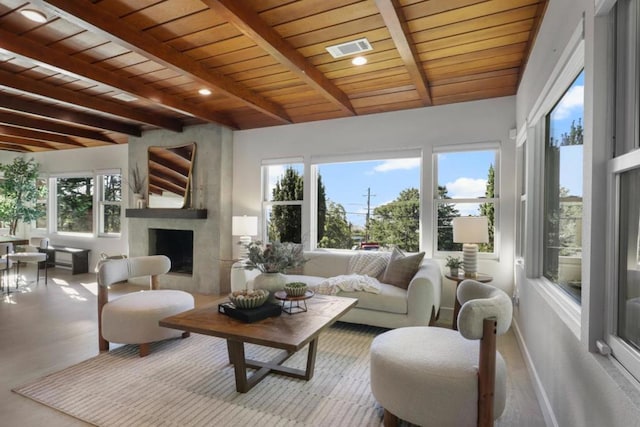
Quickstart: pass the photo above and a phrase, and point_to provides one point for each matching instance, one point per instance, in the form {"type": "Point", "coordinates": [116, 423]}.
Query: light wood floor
{"type": "Point", "coordinates": [46, 328]}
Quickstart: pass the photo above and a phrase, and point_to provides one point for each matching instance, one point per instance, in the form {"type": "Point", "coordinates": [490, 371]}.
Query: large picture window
{"type": "Point", "coordinates": [562, 257]}
{"type": "Point", "coordinates": [74, 204]}
{"type": "Point", "coordinates": [466, 186]}
{"type": "Point", "coordinates": [369, 204]}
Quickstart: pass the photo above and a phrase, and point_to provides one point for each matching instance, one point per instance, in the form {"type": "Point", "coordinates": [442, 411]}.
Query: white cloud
{"type": "Point", "coordinates": [396, 164]}
{"type": "Point", "coordinates": [466, 188]}
{"type": "Point", "coordinates": [572, 100]}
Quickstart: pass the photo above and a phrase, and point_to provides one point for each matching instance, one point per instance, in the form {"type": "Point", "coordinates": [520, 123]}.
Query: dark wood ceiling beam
{"type": "Point", "coordinates": [250, 24]}
{"type": "Point", "coordinates": [396, 23]}
{"type": "Point", "coordinates": [47, 56]}
{"type": "Point", "coordinates": [16, 148]}
{"type": "Point", "coordinates": [16, 103]}
{"type": "Point", "coordinates": [92, 17]}
{"type": "Point", "coordinates": [37, 135]}
{"type": "Point", "coordinates": [27, 85]}
{"type": "Point", "coordinates": [25, 142]}
{"type": "Point", "coordinates": [48, 126]}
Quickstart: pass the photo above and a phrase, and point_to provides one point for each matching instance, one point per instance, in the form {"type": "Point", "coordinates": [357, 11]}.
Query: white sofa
{"type": "Point", "coordinates": [393, 307]}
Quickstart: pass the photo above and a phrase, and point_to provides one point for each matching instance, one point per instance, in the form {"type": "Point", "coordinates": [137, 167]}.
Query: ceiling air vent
{"type": "Point", "coordinates": [349, 48]}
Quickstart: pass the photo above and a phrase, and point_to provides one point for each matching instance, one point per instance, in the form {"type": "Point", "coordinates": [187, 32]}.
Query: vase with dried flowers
{"type": "Point", "coordinates": [272, 260]}
{"type": "Point", "coordinates": [136, 184]}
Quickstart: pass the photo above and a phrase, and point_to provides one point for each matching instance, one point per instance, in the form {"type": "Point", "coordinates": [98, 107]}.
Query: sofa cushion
{"type": "Point", "coordinates": [371, 264]}
{"type": "Point", "coordinates": [401, 268]}
{"type": "Point", "coordinates": [391, 299]}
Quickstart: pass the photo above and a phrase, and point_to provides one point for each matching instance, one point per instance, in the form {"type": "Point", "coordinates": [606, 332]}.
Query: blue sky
{"type": "Point", "coordinates": [463, 173]}
{"type": "Point", "coordinates": [347, 183]}
{"type": "Point", "coordinates": [570, 108]}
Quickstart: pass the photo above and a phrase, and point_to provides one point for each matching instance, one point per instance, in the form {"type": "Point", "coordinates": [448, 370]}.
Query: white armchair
{"type": "Point", "coordinates": [133, 318]}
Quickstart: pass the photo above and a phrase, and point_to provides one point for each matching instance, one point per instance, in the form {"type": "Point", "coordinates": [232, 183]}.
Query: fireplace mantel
{"type": "Point", "coordinates": [166, 213]}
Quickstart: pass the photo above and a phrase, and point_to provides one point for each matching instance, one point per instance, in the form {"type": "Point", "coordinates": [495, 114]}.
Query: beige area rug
{"type": "Point", "coordinates": [191, 383]}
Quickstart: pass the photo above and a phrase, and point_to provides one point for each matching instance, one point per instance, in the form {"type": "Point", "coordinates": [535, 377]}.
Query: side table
{"type": "Point", "coordinates": [481, 277]}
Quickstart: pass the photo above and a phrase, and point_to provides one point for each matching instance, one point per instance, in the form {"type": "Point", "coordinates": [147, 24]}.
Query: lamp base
{"type": "Point", "coordinates": [244, 252]}
{"type": "Point", "coordinates": [470, 260]}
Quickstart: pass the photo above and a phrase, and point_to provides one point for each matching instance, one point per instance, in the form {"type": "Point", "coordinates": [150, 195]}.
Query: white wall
{"type": "Point", "coordinates": [575, 387]}
{"type": "Point", "coordinates": [423, 128]}
{"type": "Point", "coordinates": [87, 160]}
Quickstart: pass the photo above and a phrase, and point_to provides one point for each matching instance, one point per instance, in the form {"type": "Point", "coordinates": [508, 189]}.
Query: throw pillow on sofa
{"type": "Point", "coordinates": [401, 268]}
{"type": "Point", "coordinates": [368, 263]}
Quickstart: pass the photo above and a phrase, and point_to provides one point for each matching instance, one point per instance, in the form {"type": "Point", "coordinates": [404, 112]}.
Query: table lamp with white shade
{"type": "Point", "coordinates": [245, 227]}
{"type": "Point", "coordinates": [470, 230]}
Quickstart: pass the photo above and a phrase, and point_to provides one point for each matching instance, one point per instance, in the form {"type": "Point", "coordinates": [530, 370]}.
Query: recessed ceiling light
{"type": "Point", "coordinates": [34, 15]}
{"type": "Point", "coordinates": [204, 92]}
{"type": "Point", "coordinates": [359, 60]}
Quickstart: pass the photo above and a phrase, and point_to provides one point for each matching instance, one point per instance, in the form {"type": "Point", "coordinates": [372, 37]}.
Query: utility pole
{"type": "Point", "coordinates": [366, 224]}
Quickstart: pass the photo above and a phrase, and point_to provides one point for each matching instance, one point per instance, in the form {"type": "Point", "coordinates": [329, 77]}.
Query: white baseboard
{"type": "Point", "coordinates": [543, 400]}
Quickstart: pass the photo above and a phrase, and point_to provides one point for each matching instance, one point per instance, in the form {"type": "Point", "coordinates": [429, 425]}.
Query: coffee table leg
{"type": "Point", "coordinates": [236, 356]}
{"type": "Point", "coordinates": [311, 359]}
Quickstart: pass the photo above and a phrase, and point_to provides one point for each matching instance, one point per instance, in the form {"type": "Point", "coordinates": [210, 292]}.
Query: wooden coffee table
{"type": "Point", "coordinates": [289, 333]}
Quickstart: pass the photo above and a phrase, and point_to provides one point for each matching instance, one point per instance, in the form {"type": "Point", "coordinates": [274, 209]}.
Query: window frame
{"type": "Point", "coordinates": [101, 202]}
{"type": "Point", "coordinates": [486, 146]}
{"type": "Point", "coordinates": [267, 205]}
{"type": "Point", "coordinates": [546, 119]}
{"type": "Point", "coordinates": [625, 158]}
{"type": "Point", "coordinates": [318, 160]}
{"type": "Point", "coordinates": [569, 65]}
{"type": "Point", "coordinates": [45, 201]}
{"type": "Point", "coordinates": [53, 200]}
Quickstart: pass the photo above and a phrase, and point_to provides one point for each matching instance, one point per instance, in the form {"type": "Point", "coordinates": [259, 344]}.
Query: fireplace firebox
{"type": "Point", "coordinates": [175, 244]}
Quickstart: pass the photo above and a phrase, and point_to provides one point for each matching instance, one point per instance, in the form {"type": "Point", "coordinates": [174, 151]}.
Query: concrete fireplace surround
{"type": "Point", "coordinates": [211, 190]}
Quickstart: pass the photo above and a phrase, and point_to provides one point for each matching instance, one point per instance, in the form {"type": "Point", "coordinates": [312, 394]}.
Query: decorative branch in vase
{"type": "Point", "coordinates": [136, 184]}
{"type": "Point", "coordinates": [272, 260]}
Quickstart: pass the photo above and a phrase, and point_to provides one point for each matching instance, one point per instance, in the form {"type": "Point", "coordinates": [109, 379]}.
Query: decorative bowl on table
{"type": "Point", "coordinates": [295, 289]}
{"type": "Point", "coordinates": [249, 298]}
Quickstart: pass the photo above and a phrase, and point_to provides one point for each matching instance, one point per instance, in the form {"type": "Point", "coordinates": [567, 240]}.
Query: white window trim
{"type": "Point", "coordinates": [312, 183]}
{"type": "Point", "coordinates": [483, 146]}
{"type": "Point", "coordinates": [53, 204]}
{"type": "Point", "coordinates": [628, 356]}
{"type": "Point", "coordinates": [267, 204]}
{"type": "Point", "coordinates": [569, 65]}
{"type": "Point", "coordinates": [101, 202]}
{"type": "Point", "coordinates": [45, 179]}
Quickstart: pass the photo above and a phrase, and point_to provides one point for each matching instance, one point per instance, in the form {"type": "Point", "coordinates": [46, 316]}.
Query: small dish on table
{"type": "Point", "coordinates": [292, 305]}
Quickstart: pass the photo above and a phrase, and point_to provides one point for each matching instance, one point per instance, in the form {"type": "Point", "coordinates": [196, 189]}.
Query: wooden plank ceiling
{"type": "Point", "coordinates": [264, 61]}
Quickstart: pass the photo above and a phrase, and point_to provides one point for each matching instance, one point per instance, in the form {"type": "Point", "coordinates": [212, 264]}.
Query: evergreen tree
{"type": "Point", "coordinates": [19, 193]}
{"type": "Point", "coordinates": [337, 233]}
{"type": "Point", "coordinates": [575, 135]}
{"type": "Point", "coordinates": [446, 213]}
{"type": "Point", "coordinates": [488, 210]}
{"type": "Point", "coordinates": [286, 221]}
{"type": "Point", "coordinates": [75, 204]}
{"type": "Point", "coordinates": [397, 222]}
{"type": "Point", "coordinates": [322, 208]}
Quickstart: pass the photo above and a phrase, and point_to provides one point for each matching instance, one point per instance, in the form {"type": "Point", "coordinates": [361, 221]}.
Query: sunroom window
{"type": "Point", "coordinates": [562, 258]}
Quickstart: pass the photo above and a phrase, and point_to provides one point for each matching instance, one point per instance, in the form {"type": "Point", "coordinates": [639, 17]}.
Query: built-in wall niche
{"type": "Point", "coordinates": [177, 245]}
{"type": "Point", "coordinates": [170, 170]}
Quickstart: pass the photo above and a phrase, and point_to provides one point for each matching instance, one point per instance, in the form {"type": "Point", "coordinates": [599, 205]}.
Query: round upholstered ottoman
{"type": "Point", "coordinates": [428, 376]}
{"type": "Point", "coordinates": [133, 318]}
